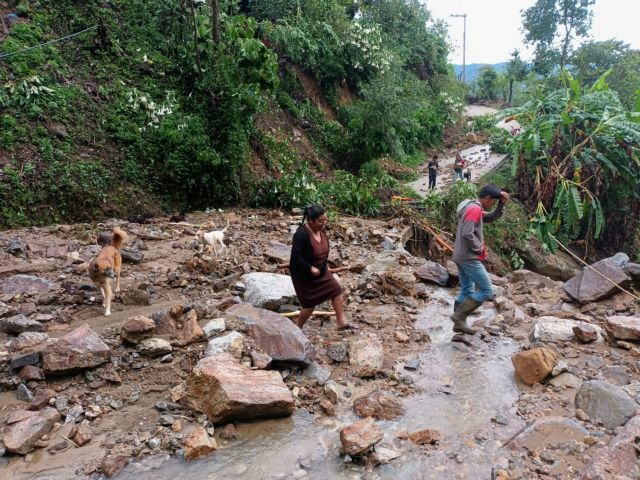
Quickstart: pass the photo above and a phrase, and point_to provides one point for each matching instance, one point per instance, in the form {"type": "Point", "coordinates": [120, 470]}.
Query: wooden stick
{"type": "Point", "coordinates": [438, 239]}
{"type": "Point", "coordinates": [70, 441]}
{"type": "Point", "coordinates": [339, 269]}
{"type": "Point", "coordinates": [283, 265]}
{"type": "Point", "coordinates": [317, 314]}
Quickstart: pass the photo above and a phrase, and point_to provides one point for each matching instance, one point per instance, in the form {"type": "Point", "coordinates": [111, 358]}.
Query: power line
{"type": "Point", "coordinates": [5, 55]}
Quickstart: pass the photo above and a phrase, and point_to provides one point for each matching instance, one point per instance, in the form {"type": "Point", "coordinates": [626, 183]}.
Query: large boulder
{"type": "Point", "coordinates": [379, 404]}
{"type": "Point", "coordinates": [275, 335]}
{"type": "Point", "coordinates": [559, 265]}
{"type": "Point", "coordinates": [360, 436]}
{"type": "Point", "coordinates": [554, 329]}
{"type": "Point", "coordinates": [18, 324]}
{"type": "Point", "coordinates": [268, 290]}
{"type": "Point", "coordinates": [278, 252]}
{"type": "Point", "coordinates": [231, 343]}
{"type": "Point", "coordinates": [550, 432]}
{"type": "Point", "coordinates": [366, 356]}
{"type": "Point", "coordinates": [588, 286]}
{"type": "Point", "coordinates": [624, 328]}
{"type": "Point", "coordinates": [605, 402]}
{"type": "Point", "coordinates": [619, 459]}
{"type": "Point", "coordinates": [227, 391]}
{"type": "Point", "coordinates": [533, 366]}
{"type": "Point", "coordinates": [22, 435]}
{"type": "Point", "coordinates": [77, 350]}
{"type": "Point", "coordinates": [532, 279]}
{"type": "Point", "coordinates": [433, 272]}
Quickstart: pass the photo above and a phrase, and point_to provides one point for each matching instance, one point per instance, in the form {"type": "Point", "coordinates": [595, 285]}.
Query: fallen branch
{"type": "Point", "coordinates": [317, 314]}
{"type": "Point", "coordinates": [70, 441]}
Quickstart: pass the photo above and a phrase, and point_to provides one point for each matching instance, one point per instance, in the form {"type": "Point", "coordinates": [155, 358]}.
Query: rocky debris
{"type": "Point", "coordinates": [24, 358]}
{"type": "Point", "coordinates": [154, 347]}
{"type": "Point", "coordinates": [278, 252]}
{"type": "Point", "coordinates": [7, 310]}
{"type": "Point", "coordinates": [619, 459]}
{"type": "Point", "coordinates": [28, 340]}
{"type": "Point", "coordinates": [585, 333]}
{"type": "Point", "coordinates": [113, 464]}
{"type": "Point", "coordinates": [605, 403]}
{"type": "Point", "coordinates": [84, 434]}
{"type": "Point", "coordinates": [268, 290]}
{"type": "Point", "coordinates": [30, 372]}
{"type": "Point", "coordinates": [360, 436]}
{"type": "Point", "coordinates": [137, 328]}
{"type": "Point", "coordinates": [432, 272]}
{"type": "Point", "coordinates": [588, 286]}
{"type": "Point", "coordinates": [366, 356]}
{"type": "Point", "coordinates": [231, 343]}
{"type": "Point", "coordinates": [549, 432]}
{"type": "Point", "coordinates": [79, 349]}
{"type": "Point", "coordinates": [533, 366]}
{"type": "Point", "coordinates": [554, 329]}
{"type": "Point", "coordinates": [229, 432]}
{"type": "Point", "coordinates": [624, 328]}
{"type": "Point", "coordinates": [131, 256]}
{"type": "Point", "coordinates": [338, 351]}
{"type": "Point", "coordinates": [425, 437]}
{"type": "Point", "coordinates": [181, 327]}
{"type": "Point", "coordinates": [566, 380]}
{"type": "Point", "coordinates": [26, 285]}
{"type": "Point", "coordinates": [214, 327]}
{"type": "Point", "coordinates": [22, 436]}
{"type": "Point", "coordinates": [260, 360]}
{"type": "Point", "coordinates": [226, 391]}
{"type": "Point", "coordinates": [16, 247]}
{"type": "Point", "coordinates": [318, 373]}
{"type": "Point", "coordinates": [633, 269]}
{"type": "Point", "coordinates": [198, 444]}
{"type": "Point", "coordinates": [532, 280]}
{"type": "Point", "coordinates": [558, 265]}
{"type": "Point", "coordinates": [275, 335]}
{"type": "Point", "coordinates": [19, 324]}
{"type": "Point", "coordinates": [379, 404]}
{"type": "Point", "coordinates": [384, 454]}
{"type": "Point", "coordinates": [135, 296]}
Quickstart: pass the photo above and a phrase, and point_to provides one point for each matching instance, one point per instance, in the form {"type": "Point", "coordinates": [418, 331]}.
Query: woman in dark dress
{"type": "Point", "coordinates": [312, 279]}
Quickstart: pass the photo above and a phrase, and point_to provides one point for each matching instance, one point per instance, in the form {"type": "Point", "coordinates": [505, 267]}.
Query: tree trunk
{"type": "Point", "coordinates": [510, 91]}
{"type": "Point", "coordinates": [215, 20]}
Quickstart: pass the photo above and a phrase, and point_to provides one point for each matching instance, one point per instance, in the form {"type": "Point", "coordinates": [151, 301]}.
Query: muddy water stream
{"type": "Point", "coordinates": [466, 392]}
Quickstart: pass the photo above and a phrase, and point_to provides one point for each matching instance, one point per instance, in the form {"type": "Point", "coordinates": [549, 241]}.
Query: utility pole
{"type": "Point", "coordinates": [464, 44]}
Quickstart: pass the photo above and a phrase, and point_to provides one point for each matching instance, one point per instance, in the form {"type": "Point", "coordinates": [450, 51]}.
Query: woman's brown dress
{"type": "Point", "coordinates": [320, 289]}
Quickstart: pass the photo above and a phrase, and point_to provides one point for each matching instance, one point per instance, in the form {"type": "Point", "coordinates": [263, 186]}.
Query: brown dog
{"type": "Point", "coordinates": [106, 266]}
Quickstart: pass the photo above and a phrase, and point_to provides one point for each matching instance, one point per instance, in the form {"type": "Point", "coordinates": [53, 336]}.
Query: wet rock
{"type": "Point", "coordinates": [331, 391]}
{"type": "Point", "coordinates": [318, 373]}
{"type": "Point", "coordinates": [137, 328]}
{"type": "Point", "coordinates": [624, 328]}
{"type": "Point", "coordinates": [278, 252]}
{"type": "Point", "coordinates": [31, 372]}
{"type": "Point", "coordinates": [154, 347]}
{"type": "Point", "coordinates": [384, 454]}
{"type": "Point", "coordinates": [113, 464]}
{"type": "Point", "coordinates": [550, 432]}
{"type": "Point", "coordinates": [327, 407]}
{"type": "Point", "coordinates": [226, 391]}
{"type": "Point", "coordinates": [19, 324]}
{"type": "Point", "coordinates": [260, 360]}
{"type": "Point", "coordinates": [360, 436]}
{"type": "Point", "coordinates": [231, 343]}
{"type": "Point", "coordinates": [268, 290]}
{"type": "Point", "coordinates": [214, 327]}
{"type": "Point", "coordinates": [533, 366]}
{"type": "Point", "coordinates": [619, 459]}
{"type": "Point", "coordinates": [566, 380]}
{"type": "Point", "coordinates": [425, 437]}
{"type": "Point", "coordinates": [605, 403]}
{"type": "Point", "coordinates": [182, 328]}
{"type": "Point", "coordinates": [198, 444]}
{"type": "Point", "coordinates": [366, 356]}
{"type": "Point", "coordinates": [229, 432]}
{"type": "Point", "coordinates": [131, 256]}
{"type": "Point", "coordinates": [28, 340]}
{"type": "Point", "coordinates": [554, 329]}
{"type": "Point", "coordinates": [588, 286]}
{"type": "Point", "coordinates": [432, 272]}
{"type": "Point", "coordinates": [275, 335]}
{"type": "Point", "coordinates": [338, 351]}
{"type": "Point", "coordinates": [16, 247]}
{"type": "Point", "coordinates": [83, 434]}
{"type": "Point", "coordinates": [379, 404]}
{"type": "Point", "coordinates": [585, 333]}
{"type": "Point", "coordinates": [23, 393]}
{"type": "Point", "coordinates": [23, 435]}
{"type": "Point", "coordinates": [26, 285]}
{"type": "Point", "coordinates": [80, 349]}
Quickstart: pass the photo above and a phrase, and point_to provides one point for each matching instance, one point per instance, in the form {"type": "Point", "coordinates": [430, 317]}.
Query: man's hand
{"type": "Point", "coordinates": [315, 272]}
{"type": "Point", "coordinates": [504, 197]}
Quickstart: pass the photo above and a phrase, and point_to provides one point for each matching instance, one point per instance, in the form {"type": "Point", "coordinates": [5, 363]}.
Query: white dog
{"type": "Point", "coordinates": [211, 239]}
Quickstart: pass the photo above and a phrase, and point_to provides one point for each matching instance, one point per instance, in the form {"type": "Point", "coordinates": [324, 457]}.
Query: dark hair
{"type": "Point", "coordinates": [312, 212]}
{"type": "Point", "coordinates": [435, 157]}
{"type": "Point", "coordinates": [490, 190]}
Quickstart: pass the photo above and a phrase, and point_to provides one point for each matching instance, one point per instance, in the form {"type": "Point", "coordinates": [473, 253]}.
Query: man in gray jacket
{"type": "Point", "coordinates": [469, 252]}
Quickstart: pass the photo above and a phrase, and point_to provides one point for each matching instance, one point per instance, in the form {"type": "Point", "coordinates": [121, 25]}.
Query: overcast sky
{"type": "Point", "coordinates": [493, 26]}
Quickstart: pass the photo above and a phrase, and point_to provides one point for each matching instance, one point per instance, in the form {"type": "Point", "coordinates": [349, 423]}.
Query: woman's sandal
{"type": "Point", "coordinates": [347, 327]}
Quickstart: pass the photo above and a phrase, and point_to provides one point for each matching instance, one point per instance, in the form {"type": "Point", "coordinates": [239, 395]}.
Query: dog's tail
{"type": "Point", "coordinates": [119, 237]}
{"type": "Point", "coordinates": [225, 228]}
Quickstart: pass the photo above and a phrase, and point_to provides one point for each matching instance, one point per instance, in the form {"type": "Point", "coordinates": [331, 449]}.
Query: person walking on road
{"type": "Point", "coordinates": [433, 172]}
{"type": "Point", "coordinates": [469, 252]}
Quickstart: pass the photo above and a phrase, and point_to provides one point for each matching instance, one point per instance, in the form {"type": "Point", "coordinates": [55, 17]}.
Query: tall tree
{"type": "Point", "coordinates": [215, 21]}
{"type": "Point", "coordinates": [592, 59]}
{"type": "Point", "coordinates": [516, 71]}
{"type": "Point", "coordinates": [487, 83]}
{"type": "Point", "coordinates": [552, 26]}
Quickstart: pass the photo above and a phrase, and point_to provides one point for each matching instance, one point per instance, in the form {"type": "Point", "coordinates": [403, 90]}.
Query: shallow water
{"type": "Point", "coordinates": [460, 389]}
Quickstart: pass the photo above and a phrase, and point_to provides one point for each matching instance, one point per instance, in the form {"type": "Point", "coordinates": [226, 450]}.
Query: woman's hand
{"type": "Point", "coordinates": [315, 272]}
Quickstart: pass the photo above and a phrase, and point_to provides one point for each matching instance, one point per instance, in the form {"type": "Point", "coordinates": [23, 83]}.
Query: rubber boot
{"type": "Point", "coordinates": [459, 317]}
{"type": "Point", "coordinates": [456, 304]}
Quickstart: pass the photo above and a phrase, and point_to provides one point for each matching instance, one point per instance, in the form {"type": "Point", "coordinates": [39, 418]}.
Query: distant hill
{"type": "Point", "coordinates": [473, 69]}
